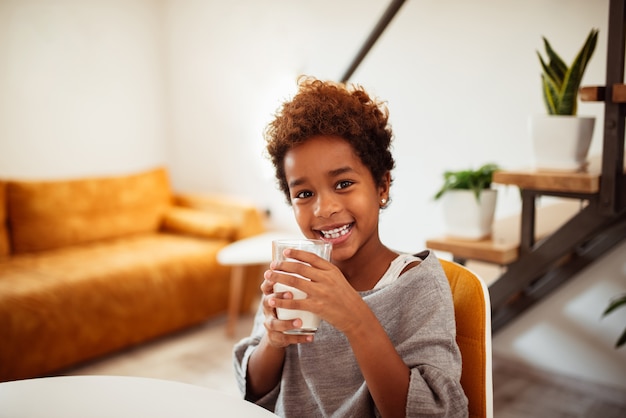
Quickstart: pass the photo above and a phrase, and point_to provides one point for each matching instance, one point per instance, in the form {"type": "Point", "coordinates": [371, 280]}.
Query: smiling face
{"type": "Point", "coordinates": [334, 196]}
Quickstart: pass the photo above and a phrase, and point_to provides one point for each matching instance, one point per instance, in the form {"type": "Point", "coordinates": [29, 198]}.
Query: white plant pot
{"type": "Point", "coordinates": [464, 217]}
{"type": "Point", "coordinates": [560, 143]}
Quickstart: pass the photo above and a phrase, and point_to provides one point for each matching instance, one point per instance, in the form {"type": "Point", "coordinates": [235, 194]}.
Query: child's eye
{"type": "Point", "coordinates": [303, 194]}
{"type": "Point", "coordinates": [343, 184]}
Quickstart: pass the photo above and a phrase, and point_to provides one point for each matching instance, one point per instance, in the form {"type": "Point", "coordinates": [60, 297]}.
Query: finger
{"type": "Point", "coordinates": [288, 279]}
{"type": "Point", "coordinates": [276, 332]}
{"type": "Point", "coordinates": [287, 271]}
{"type": "Point", "coordinates": [267, 276]}
{"type": "Point", "coordinates": [267, 287]}
{"type": "Point", "coordinates": [268, 311]}
{"type": "Point", "coordinates": [289, 303]}
{"type": "Point", "coordinates": [306, 257]}
{"type": "Point", "coordinates": [273, 324]}
{"type": "Point", "coordinates": [281, 340]}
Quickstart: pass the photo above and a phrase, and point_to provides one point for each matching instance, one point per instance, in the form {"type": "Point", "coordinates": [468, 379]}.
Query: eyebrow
{"type": "Point", "coordinates": [332, 173]}
{"type": "Point", "coordinates": [340, 171]}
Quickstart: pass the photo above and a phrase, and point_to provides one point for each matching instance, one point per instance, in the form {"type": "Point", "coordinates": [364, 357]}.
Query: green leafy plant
{"type": "Point", "coordinates": [613, 305]}
{"type": "Point", "coordinates": [560, 82]}
{"type": "Point", "coordinates": [475, 180]}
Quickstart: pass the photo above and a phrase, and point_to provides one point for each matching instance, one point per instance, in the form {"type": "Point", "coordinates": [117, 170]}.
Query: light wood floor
{"type": "Point", "coordinates": [203, 356]}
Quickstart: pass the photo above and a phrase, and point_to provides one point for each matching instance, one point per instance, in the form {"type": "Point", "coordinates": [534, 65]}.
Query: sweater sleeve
{"type": "Point", "coordinates": [241, 356]}
{"type": "Point", "coordinates": [428, 344]}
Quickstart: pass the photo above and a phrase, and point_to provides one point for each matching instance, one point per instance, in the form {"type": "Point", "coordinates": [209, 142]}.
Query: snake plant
{"type": "Point", "coordinates": [560, 82]}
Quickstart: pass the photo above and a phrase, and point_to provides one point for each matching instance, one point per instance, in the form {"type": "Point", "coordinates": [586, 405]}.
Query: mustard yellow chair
{"type": "Point", "coordinates": [472, 311]}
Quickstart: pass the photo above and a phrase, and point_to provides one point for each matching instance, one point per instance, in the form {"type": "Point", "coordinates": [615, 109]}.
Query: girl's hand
{"type": "Point", "coordinates": [275, 326]}
{"type": "Point", "coordinates": [329, 294]}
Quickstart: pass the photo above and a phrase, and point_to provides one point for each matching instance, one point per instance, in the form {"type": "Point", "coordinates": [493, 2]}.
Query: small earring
{"type": "Point", "coordinates": [383, 201]}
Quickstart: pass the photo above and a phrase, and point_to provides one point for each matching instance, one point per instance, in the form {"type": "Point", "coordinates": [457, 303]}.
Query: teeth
{"type": "Point", "coordinates": [337, 232]}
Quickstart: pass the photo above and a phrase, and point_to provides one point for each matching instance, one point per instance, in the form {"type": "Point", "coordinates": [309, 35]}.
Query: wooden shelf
{"type": "Point", "coordinates": [486, 250]}
{"type": "Point", "coordinates": [586, 182]}
{"type": "Point", "coordinates": [550, 181]}
{"type": "Point", "coordinates": [598, 93]}
{"type": "Point", "coordinates": [502, 247]}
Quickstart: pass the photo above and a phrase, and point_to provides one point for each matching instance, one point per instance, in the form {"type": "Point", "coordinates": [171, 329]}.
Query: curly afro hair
{"type": "Point", "coordinates": [325, 108]}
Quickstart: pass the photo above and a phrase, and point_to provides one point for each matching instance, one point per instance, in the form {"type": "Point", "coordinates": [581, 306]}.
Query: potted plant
{"type": "Point", "coordinates": [468, 202]}
{"type": "Point", "coordinates": [561, 139]}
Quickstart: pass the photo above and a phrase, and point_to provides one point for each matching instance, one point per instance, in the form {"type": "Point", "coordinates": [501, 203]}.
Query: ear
{"type": "Point", "coordinates": [383, 186]}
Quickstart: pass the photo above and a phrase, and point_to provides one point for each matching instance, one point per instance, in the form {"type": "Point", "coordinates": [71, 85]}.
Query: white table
{"type": "Point", "coordinates": [249, 252]}
{"type": "Point", "coordinates": [119, 397]}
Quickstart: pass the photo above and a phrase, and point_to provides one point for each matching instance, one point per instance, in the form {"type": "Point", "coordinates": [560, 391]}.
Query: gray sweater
{"type": "Point", "coordinates": [323, 379]}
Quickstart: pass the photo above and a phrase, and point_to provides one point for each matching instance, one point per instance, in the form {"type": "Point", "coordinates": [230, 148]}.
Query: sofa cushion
{"type": "Point", "coordinates": [198, 223]}
{"type": "Point", "coordinates": [45, 215]}
{"type": "Point", "coordinates": [4, 234]}
{"type": "Point", "coordinates": [242, 213]}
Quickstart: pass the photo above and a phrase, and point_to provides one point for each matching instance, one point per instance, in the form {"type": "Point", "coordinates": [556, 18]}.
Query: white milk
{"type": "Point", "coordinates": [310, 321]}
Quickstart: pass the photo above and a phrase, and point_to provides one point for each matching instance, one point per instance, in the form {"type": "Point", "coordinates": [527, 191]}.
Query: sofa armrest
{"type": "Point", "coordinates": [245, 217]}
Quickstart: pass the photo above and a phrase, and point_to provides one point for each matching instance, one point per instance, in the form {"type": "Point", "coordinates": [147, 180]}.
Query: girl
{"type": "Point", "coordinates": [386, 345]}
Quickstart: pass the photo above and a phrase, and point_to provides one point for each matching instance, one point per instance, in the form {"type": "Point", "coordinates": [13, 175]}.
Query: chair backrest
{"type": "Point", "coordinates": [472, 311]}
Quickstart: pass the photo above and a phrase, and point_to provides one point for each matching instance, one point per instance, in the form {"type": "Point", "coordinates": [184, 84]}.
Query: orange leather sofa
{"type": "Point", "coordinates": [90, 266]}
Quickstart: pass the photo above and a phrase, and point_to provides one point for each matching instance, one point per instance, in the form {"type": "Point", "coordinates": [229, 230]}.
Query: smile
{"type": "Point", "coordinates": [337, 232]}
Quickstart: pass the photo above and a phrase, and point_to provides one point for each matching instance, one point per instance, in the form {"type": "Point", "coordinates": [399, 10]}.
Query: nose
{"type": "Point", "coordinates": [326, 205]}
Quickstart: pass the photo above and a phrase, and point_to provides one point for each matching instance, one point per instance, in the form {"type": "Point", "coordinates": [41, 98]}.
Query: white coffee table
{"type": "Point", "coordinates": [120, 397]}
{"type": "Point", "coordinates": [249, 252]}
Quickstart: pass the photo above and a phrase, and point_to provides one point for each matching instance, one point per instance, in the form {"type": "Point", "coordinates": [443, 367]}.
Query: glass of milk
{"type": "Point", "coordinates": [310, 321]}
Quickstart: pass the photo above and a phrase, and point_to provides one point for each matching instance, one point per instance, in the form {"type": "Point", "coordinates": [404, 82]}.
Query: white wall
{"type": "Point", "coordinates": [460, 78]}
{"type": "Point", "coordinates": [82, 87]}
{"type": "Point", "coordinates": [100, 86]}
{"type": "Point", "coordinates": [231, 65]}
